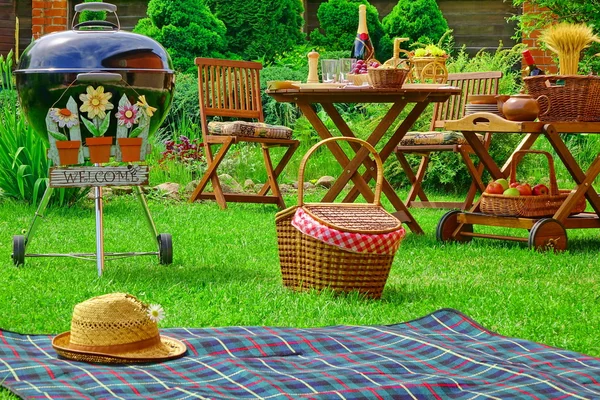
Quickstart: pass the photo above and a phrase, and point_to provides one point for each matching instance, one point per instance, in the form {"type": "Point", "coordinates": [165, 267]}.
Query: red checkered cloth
{"type": "Point", "coordinates": [384, 243]}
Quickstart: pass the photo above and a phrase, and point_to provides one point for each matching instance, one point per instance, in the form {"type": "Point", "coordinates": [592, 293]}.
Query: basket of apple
{"type": "Point", "coordinates": [518, 199]}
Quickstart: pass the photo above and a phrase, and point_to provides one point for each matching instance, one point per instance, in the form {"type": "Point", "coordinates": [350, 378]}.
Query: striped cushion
{"type": "Point", "coordinates": [249, 129]}
{"type": "Point", "coordinates": [434, 137]}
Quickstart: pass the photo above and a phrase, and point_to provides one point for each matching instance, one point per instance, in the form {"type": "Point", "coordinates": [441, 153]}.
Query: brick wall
{"type": "Point", "coordinates": [543, 59]}
{"type": "Point", "coordinates": [48, 16]}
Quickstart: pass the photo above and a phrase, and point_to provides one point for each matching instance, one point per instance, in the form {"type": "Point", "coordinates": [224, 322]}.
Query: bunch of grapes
{"type": "Point", "coordinates": [360, 66]}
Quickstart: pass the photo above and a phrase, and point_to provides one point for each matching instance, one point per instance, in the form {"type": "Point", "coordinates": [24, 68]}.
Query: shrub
{"type": "Point", "coordinates": [187, 29]}
{"type": "Point", "coordinates": [259, 29]}
{"type": "Point", "coordinates": [418, 20]}
{"type": "Point", "coordinates": [23, 162]}
{"type": "Point", "coordinates": [338, 23]}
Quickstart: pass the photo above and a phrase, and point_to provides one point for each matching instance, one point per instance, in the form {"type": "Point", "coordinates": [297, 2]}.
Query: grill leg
{"type": "Point", "coordinates": [99, 230]}
{"type": "Point", "coordinates": [38, 214]}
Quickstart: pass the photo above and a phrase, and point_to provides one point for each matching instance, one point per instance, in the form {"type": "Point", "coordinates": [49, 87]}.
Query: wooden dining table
{"type": "Point", "coordinates": [419, 96]}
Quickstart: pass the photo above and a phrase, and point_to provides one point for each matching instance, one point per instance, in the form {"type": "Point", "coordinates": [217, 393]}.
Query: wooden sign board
{"type": "Point", "coordinates": [127, 175]}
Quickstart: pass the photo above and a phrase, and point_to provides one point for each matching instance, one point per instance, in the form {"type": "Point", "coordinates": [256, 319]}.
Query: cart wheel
{"type": "Point", "coordinates": [448, 225]}
{"type": "Point", "coordinates": [18, 254]}
{"type": "Point", "coordinates": [548, 234]}
{"type": "Point", "coordinates": [165, 248]}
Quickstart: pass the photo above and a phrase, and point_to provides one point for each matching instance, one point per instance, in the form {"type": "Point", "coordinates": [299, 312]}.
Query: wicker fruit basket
{"type": "Point", "coordinates": [384, 78]}
{"type": "Point", "coordinates": [308, 263]}
{"type": "Point", "coordinates": [529, 206]}
{"type": "Point", "coordinates": [572, 97]}
{"type": "Point", "coordinates": [358, 79]}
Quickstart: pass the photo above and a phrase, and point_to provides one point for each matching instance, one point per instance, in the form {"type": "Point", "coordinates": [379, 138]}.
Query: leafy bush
{"type": "Point", "coordinates": [338, 23]}
{"type": "Point", "coordinates": [275, 112]}
{"type": "Point", "coordinates": [23, 162]}
{"type": "Point", "coordinates": [187, 29]}
{"type": "Point", "coordinates": [418, 20]}
{"type": "Point", "coordinates": [259, 29]}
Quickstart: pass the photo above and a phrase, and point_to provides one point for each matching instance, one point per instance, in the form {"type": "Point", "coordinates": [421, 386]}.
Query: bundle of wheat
{"type": "Point", "coordinates": [567, 40]}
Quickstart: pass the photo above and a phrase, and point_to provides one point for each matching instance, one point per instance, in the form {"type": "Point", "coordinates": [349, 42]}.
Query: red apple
{"type": "Point", "coordinates": [514, 184]}
{"type": "Point", "coordinates": [494, 188]}
{"type": "Point", "coordinates": [540, 190]}
{"type": "Point", "coordinates": [524, 189]}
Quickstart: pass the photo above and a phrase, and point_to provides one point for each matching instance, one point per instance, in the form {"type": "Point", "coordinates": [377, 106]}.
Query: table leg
{"type": "Point", "coordinates": [583, 180]}
{"type": "Point", "coordinates": [402, 212]}
{"type": "Point", "coordinates": [389, 148]}
{"type": "Point", "coordinates": [361, 152]}
{"type": "Point", "coordinates": [335, 149]}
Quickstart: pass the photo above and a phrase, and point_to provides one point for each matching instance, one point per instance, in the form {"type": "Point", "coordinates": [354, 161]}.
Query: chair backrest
{"type": "Point", "coordinates": [229, 88]}
{"type": "Point", "coordinates": [470, 83]}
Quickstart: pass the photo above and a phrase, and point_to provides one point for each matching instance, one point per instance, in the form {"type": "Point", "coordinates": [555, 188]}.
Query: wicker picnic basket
{"type": "Point", "coordinates": [529, 206]}
{"type": "Point", "coordinates": [308, 263]}
{"type": "Point", "coordinates": [572, 97]}
{"type": "Point", "coordinates": [383, 78]}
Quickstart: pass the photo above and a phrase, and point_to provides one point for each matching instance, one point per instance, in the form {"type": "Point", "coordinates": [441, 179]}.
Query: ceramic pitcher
{"type": "Point", "coordinates": [523, 107]}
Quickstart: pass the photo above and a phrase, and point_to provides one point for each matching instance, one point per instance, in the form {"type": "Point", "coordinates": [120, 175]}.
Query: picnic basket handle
{"type": "Point", "coordinates": [378, 182]}
{"type": "Point", "coordinates": [518, 156]}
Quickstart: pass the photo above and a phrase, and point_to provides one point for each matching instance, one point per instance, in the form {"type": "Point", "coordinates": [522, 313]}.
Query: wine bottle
{"type": "Point", "coordinates": [532, 69]}
{"type": "Point", "coordinates": [363, 47]}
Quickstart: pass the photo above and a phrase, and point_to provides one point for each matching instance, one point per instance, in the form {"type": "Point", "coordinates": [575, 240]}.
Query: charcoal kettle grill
{"type": "Point", "coordinates": [95, 73]}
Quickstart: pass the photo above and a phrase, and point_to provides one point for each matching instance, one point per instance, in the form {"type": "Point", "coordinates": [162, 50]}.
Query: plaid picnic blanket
{"type": "Point", "coordinates": [444, 355]}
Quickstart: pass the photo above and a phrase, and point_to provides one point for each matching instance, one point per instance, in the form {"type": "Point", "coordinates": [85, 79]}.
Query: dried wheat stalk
{"type": "Point", "coordinates": [567, 40]}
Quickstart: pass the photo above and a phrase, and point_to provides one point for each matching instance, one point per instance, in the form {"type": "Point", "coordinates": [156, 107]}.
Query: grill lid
{"type": "Point", "coordinates": [94, 46]}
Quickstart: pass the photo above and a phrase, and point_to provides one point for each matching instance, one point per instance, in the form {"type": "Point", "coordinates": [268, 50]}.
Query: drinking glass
{"type": "Point", "coordinates": [330, 70]}
{"type": "Point", "coordinates": [346, 68]}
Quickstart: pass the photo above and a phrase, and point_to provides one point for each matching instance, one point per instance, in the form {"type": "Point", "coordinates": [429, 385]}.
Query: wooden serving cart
{"type": "Point", "coordinates": [545, 232]}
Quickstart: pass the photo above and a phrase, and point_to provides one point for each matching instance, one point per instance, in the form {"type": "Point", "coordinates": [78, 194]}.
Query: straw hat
{"type": "Point", "coordinates": [115, 328]}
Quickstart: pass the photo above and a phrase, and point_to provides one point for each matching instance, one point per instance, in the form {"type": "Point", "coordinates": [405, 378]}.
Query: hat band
{"type": "Point", "coordinates": [118, 348]}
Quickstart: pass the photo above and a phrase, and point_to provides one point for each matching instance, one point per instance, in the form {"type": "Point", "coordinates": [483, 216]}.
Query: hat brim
{"type": "Point", "coordinates": [174, 349]}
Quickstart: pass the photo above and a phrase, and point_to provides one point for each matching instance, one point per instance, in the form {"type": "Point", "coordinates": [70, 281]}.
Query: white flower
{"type": "Point", "coordinates": [156, 312]}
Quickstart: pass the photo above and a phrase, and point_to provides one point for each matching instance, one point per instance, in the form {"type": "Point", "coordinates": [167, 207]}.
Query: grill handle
{"type": "Point", "coordinates": [99, 77]}
{"type": "Point", "coordinates": [96, 7]}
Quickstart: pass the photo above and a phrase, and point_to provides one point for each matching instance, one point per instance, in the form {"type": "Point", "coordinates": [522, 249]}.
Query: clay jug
{"type": "Point", "coordinates": [523, 107]}
{"type": "Point", "coordinates": [500, 99]}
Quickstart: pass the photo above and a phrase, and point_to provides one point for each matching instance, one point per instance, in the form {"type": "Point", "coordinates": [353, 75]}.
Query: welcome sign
{"type": "Point", "coordinates": [128, 175]}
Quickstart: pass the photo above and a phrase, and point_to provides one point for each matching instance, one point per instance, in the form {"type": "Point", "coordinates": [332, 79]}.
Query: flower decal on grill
{"type": "Point", "coordinates": [63, 117]}
{"type": "Point", "coordinates": [95, 102]}
{"type": "Point", "coordinates": [145, 106]}
{"type": "Point", "coordinates": [128, 115]}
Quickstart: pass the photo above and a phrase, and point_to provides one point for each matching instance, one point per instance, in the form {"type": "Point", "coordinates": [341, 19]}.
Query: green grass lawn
{"type": "Point", "coordinates": [226, 272]}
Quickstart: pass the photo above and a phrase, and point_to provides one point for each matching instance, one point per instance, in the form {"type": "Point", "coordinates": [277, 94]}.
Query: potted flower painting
{"type": "Point", "coordinates": [96, 103]}
{"type": "Point", "coordinates": [64, 134]}
{"type": "Point", "coordinates": [130, 137]}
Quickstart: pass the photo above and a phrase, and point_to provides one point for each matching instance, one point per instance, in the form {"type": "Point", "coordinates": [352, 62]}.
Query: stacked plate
{"type": "Point", "coordinates": [476, 108]}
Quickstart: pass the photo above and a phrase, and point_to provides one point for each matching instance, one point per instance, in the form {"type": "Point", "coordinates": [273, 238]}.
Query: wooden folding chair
{"type": "Point", "coordinates": [453, 108]}
{"type": "Point", "coordinates": [230, 88]}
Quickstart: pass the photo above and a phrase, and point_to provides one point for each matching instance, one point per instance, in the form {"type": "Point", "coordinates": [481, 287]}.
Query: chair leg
{"type": "Point", "coordinates": [412, 179]}
{"type": "Point", "coordinates": [271, 178]}
{"type": "Point", "coordinates": [282, 164]}
{"type": "Point", "coordinates": [212, 175]}
{"type": "Point", "coordinates": [475, 171]}
{"type": "Point", "coordinates": [415, 180]}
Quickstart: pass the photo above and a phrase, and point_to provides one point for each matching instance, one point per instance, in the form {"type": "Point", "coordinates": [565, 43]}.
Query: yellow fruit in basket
{"type": "Point", "coordinates": [512, 192]}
